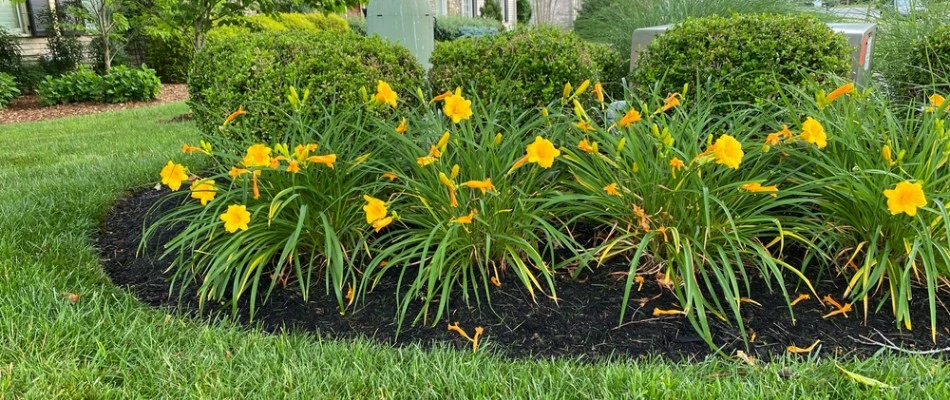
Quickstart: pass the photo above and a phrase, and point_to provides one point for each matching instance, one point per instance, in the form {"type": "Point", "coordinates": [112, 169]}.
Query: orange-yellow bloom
{"type": "Point", "coordinates": [813, 132]}
{"type": "Point", "coordinates": [235, 172]}
{"type": "Point", "coordinates": [403, 126]}
{"type": "Point", "coordinates": [668, 103]}
{"type": "Point", "coordinates": [185, 148]}
{"type": "Point", "coordinates": [543, 152]}
{"type": "Point", "coordinates": [847, 88]}
{"type": "Point", "coordinates": [375, 209]}
{"type": "Point", "coordinates": [203, 190]}
{"type": "Point", "coordinates": [772, 139]}
{"type": "Point", "coordinates": [611, 190]}
{"type": "Point", "coordinates": [484, 185]}
{"type": "Point", "coordinates": [465, 219]}
{"type": "Point", "coordinates": [293, 166]}
{"type": "Point", "coordinates": [390, 175]}
{"type": "Point", "coordinates": [173, 175]}
{"type": "Point", "coordinates": [451, 185]}
{"type": "Point", "coordinates": [457, 107]}
{"type": "Point", "coordinates": [727, 151]}
{"type": "Point", "coordinates": [240, 111]}
{"type": "Point", "coordinates": [756, 187]}
{"type": "Point", "coordinates": [599, 92]}
{"type": "Point", "coordinates": [327, 160]}
{"type": "Point", "coordinates": [629, 118]}
{"type": "Point", "coordinates": [424, 161]}
{"type": "Point", "coordinates": [587, 147]}
{"type": "Point", "coordinates": [237, 217]}
{"type": "Point", "coordinates": [935, 101]}
{"type": "Point", "coordinates": [258, 155]}
{"type": "Point", "coordinates": [301, 152]}
{"type": "Point", "coordinates": [385, 94]}
{"type": "Point", "coordinates": [906, 197]}
{"type": "Point", "coordinates": [676, 164]}
{"type": "Point", "coordinates": [442, 96]}
{"type": "Point", "coordinates": [584, 126]}
{"type": "Point", "coordinates": [381, 223]}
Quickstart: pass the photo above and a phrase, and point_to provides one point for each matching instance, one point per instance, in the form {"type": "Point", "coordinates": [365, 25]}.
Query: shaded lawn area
{"type": "Point", "coordinates": [57, 179]}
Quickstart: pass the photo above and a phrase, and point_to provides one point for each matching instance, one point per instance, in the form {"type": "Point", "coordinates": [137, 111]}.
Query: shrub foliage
{"type": "Point", "coordinates": [743, 57]}
{"type": "Point", "coordinates": [120, 85]}
{"type": "Point", "coordinates": [8, 89]}
{"type": "Point", "coordinates": [524, 68]}
{"type": "Point", "coordinates": [261, 67]}
{"type": "Point", "coordinates": [454, 27]}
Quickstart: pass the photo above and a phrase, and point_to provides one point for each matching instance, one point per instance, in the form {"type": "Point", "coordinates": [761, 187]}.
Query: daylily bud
{"type": "Point", "coordinates": [455, 171]}
{"type": "Point", "coordinates": [900, 155]}
{"type": "Point", "coordinates": [364, 95]}
{"type": "Point", "coordinates": [621, 144]}
{"type": "Point", "coordinates": [419, 93]}
{"type": "Point", "coordinates": [582, 88]}
{"type": "Point", "coordinates": [656, 130]}
{"type": "Point", "coordinates": [567, 91]}
{"type": "Point", "coordinates": [498, 138]}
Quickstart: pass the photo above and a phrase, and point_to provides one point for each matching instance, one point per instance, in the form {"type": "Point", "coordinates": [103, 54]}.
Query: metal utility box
{"type": "Point", "coordinates": [407, 22]}
{"type": "Point", "coordinates": [860, 37]}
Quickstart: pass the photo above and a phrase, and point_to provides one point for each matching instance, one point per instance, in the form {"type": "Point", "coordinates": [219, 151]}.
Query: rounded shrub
{"type": "Point", "coordinates": [743, 57]}
{"type": "Point", "coordinates": [328, 22]}
{"type": "Point", "coordinates": [8, 89]}
{"type": "Point", "coordinates": [130, 84]}
{"type": "Point", "coordinates": [928, 66]}
{"type": "Point", "coordinates": [260, 68]}
{"type": "Point", "coordinates": [524, 11]}
{"type": "Point", "coordinates": [525, 68]}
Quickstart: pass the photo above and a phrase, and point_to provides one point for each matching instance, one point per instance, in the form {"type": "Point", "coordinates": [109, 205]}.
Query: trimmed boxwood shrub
{"type": "Point", "coordinates": [928, 67]}
{"type": "Point", "coordinates": [526, 68]}
{"type": "Point", "coordinates": [261, 67]}
{"type": "Point", "coordinates": [8, 89]}
{"type": "Point", "coordinates": [130, 84]}
{"type": "Point", "coordinates": [744, 57]}
{"type": "Point", "coordinates": [454, 27]}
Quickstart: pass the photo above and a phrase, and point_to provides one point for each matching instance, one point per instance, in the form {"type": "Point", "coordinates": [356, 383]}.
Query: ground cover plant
{"type": "Point", "coordinates": [121, 84]}
{"type": "Point", "coordinates": [98, 340]}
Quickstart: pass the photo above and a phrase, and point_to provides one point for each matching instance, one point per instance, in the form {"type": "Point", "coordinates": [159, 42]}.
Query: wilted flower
{"type": "Point", "coordinates": [327, 160]}
{"type": "Point", "coordinates": [756, 187]}
{"type": "Point", "coordinates": [584, 126]}
{"type": "Point", "coordinates": [293, 166]}
{"type": "Point", "coordinates": [484, 185]}
{"type": "Point", "coordinates": [676, 164]}
{"type": "Point", "coordinates": [240, 111]}
{"type": "Point", "coordinates": [587, 147]}
{"type": "Point", "coordinates": [403, 126]}
{"type": "Point", "coordinates": [599, 92]}
{"type": "Point", "coordinates": [465, 219]}
{"type": "Point", "coordinates": [668, 103]}
{"type": "Point", "coordinates": [611, 190]}
{"type": "Point", "coordinates": [381, 223]}
{"type": "Point", "coordinates": [906, 197]}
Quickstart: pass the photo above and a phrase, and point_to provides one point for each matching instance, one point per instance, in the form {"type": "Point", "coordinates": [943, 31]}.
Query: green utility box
{"type": "Point", "coordinates": [407, 22]}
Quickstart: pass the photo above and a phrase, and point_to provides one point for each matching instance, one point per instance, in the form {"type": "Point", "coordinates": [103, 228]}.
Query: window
{"type": "Point", "coordinates": [14, 18]}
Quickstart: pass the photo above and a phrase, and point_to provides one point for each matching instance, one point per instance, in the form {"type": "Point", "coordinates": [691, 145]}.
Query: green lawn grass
{"type": "Point", "coordinates": [57, 179]}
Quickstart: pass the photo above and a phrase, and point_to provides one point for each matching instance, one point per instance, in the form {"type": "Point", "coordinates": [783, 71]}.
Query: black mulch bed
{"type": "Point", "coordinates": [582, 324]}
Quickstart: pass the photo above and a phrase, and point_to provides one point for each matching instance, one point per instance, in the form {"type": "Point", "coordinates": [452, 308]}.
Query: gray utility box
{"type": "Point", "coordinates": [407, 22]}
{"type": "Point", "coordinates": [860, 37]}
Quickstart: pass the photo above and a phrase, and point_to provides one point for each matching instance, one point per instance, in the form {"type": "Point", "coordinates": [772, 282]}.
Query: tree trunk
{"type": "Point", "coordinates": [106, 54]}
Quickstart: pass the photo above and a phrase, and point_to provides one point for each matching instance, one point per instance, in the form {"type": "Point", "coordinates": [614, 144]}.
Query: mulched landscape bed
{"type": "Point", "coordinates": [28, 108]}
{"type": "Point", "coordinates": [582, 324]}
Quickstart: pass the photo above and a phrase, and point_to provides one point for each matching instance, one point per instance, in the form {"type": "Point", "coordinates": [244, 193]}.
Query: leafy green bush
{"type": "Point", "coordinates": [264, 23]}
{"type": "Point", "coordinates": [743, 57]}
{"type": "Point", "coordinates": [491, 10]}
{"type": "Point", "coordinates": [928, 67]}
{"type": "Point", "coordinates": [357, 24]}
{"type": "Point", "coordinates": [8, 89]}
{"type": "Point", "coordinates": [11, 60]}
{"type": "Point", "coordinates": [450, 27]}
{"type": "Point", "coordinates": [613, 21]}
{"type": "Point", "coordinates": [127, 84]}
{"type": "Point", "coordinates": [524, 11]}
{"type": "Point", "coordinates": [296, 22]}
{"type": "Point", "coordinates": [328, 22]}
{"type": "Point", "coordinates": [170, 56]}
{"type": "Point", "coordinates": [260, 68]}
{"type": "Point", "coordinates": [78, 86]}
{"type": "Point", "coordinates": [907, 48]}
{"type": "Point", "coordinates": [526, 67]}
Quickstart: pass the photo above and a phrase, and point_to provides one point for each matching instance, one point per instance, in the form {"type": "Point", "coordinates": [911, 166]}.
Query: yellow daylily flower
{"type": "Point", "coordinates": [237, 217]}
{"type": "Point", "coordinates": [385, 94]}
{"type": "Point", "coordinates": [611, 190]}
{"type": "Point", "coordinates": [375, 209]}
{"type": "Point", "coordinates": [484, 185]}
{"type": "Point", "coordinates": [258, 155]}
{"type": "Point", "coordinates": [587, 147]}
{"type": "Point", "coordinates": [403, 126]}
{"type": "Point", "coordinates": [457, 107]}
{"type": "Point", "coordinates": [173, 175]}
{"type": "Point", "coordinates": [629, 118]}
{"type": "Point", "coordinates": [906, 197]}
{"type": "Point", "coordinates": [813, 132]}
{"type": "Point", "coordinates": [203, 190]}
